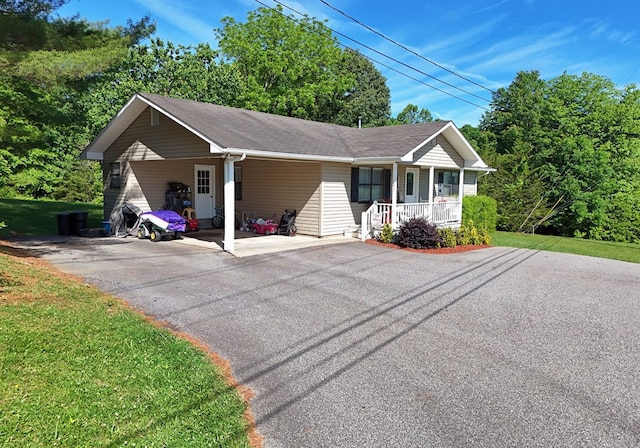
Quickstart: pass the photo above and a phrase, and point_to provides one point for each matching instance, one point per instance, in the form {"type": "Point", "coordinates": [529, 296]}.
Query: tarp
{"type": "Point", "coordinates": [124, 219]}
{"type": "Point", "coordinates": [167, 220]}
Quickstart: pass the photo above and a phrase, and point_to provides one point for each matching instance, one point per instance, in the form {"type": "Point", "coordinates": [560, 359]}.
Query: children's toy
{"type": "Point", "coordinates": [189, 215]}
{"type": "Point", "coordinates": [266, 227]}
{"type": "Point", "coordinates": [288, 223]}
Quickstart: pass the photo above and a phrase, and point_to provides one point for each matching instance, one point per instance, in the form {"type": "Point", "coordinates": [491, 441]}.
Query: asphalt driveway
{"type": "Point", "coordinates": [352, 345]}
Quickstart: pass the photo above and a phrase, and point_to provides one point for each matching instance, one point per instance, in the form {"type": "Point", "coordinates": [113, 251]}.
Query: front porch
{"type": "Point", "coordinates": [443, 213]}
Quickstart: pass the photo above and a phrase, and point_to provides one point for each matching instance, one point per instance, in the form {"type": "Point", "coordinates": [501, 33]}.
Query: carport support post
{"type": "Point", "coordinates": [229, 241]}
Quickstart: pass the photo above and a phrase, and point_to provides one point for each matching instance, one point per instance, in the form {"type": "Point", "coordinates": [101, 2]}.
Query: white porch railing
{"type": "Point", "coordinates": [442, 214]}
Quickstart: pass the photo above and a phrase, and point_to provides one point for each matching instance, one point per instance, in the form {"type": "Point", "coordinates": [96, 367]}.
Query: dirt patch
{"type": "Point", "coordinates": [442, 250]}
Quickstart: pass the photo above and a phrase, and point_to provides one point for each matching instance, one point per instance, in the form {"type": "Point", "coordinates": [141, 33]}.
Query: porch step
{"type": "Point", "coordinates": [353, 232]}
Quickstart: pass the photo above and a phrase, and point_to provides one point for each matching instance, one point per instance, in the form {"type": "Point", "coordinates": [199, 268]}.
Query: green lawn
{"type": "Point", "coordinates": [79, 369]}
{"type": "Point", "coordinates": [29, 217]}
{"type": "Point", "coordinates": [602, 249]}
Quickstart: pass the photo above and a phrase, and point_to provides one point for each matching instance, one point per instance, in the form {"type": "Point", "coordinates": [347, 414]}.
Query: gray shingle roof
{"type": "Point", "coordinates": [251, 130]}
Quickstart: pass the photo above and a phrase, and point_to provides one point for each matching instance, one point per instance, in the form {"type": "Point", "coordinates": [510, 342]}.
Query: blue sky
{"type": "Point", "coordinates": [487, 42]}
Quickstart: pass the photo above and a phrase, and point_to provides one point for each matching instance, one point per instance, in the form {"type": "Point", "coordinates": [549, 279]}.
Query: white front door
{"type": "Point", "coordinates": [411, 185]}
{"type": "Point", "coordinates": [204, 191]}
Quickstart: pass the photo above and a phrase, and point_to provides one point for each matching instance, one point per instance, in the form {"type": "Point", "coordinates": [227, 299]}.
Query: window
{"type": "Point", "coordinates": [448, 183]}
{"type": "Point", "coordinates": [114, 181]}
{"type": "Point", "coordinates": [409, 186]}
{"type": "Point", "coordinates": [203, 178]}
{"type": "Point", "coordinates": [370, 184]}
{"type": "Point", "coordinates": [237, 179]}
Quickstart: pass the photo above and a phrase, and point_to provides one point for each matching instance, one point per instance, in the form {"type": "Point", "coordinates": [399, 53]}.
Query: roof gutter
{"type": "Point", "coordinates": [284, 155]}
{"type": "Point", "coordinates": [375, 160]}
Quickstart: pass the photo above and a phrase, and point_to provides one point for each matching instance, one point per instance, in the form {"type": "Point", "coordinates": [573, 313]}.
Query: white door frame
{"type": "Point", "coordinates": [415, 197]}
{"type": "Point", "coordinates": [201, 208]}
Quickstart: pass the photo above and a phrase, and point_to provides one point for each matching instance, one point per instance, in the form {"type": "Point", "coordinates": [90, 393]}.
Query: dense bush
{"type": "Point", "coordinates": [448, 236]}
{"type": "Point", "coordinates": [482, 210]}
{"type": "Point", "coordinates": [417, 233]}
{"type": "Point", "coordinates": [469, 234]}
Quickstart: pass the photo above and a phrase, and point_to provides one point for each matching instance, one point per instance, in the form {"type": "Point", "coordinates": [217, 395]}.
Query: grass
{"type": "Point", "coordinates": [603, 249]}
{"type": "Point", "coordinates": [78, 368]}
{"type": "Point", "coordinates": [38, 217]}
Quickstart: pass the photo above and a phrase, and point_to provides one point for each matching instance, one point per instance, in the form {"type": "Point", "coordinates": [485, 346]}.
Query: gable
{"type": "Point", "coordinates": [438, 152]}
{"type": "Point", "coordinates": [162, 141]}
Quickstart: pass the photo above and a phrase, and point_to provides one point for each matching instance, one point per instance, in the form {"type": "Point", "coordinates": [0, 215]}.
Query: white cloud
{"type": "Point", "coordinates": [183, 17]}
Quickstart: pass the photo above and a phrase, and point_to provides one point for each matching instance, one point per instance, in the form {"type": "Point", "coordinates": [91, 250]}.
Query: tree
{"type": "Point", "coordinates": [45, 66]}
{"type": "Point", "coordinates": [368, 100]}
{"type": "Point", "coordinates": [411, 115]}
{"type": "Point", "coordinates": [165, 69]}
{"type": "Point", "coordinates": [566, 151]}
{"type": "Point", "coordinates": [289, 66]}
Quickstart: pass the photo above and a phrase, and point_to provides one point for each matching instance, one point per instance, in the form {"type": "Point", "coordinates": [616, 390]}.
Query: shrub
{"type": "Point", "coordinates": [482, 210]}
{"type": "Point", "coordinates": [417, 233]}
{"type": "Point", "coordinates": [386, 236]}
{"type": "Point", "coordinates": [485, 236]}
{"type": "Point", "coordinates": [468, 235]}
{"type": "Point", "coordinates": [448, 237]}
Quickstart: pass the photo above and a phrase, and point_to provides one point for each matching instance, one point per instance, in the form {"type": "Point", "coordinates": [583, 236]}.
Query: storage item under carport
{"type": "Point", "coordinates": [288, 223]}
{"type": "Point", "coordinates": [124, 219]}
{"type": "Point", "coordinates": [161, 223]}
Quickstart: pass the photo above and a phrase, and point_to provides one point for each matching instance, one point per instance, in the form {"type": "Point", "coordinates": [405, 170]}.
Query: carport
{"type": "Point", "coordinates": [248, 244]}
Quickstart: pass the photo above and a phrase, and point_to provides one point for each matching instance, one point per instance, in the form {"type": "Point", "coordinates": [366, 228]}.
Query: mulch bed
{"type": "Point", "coordinates": [442, 250]}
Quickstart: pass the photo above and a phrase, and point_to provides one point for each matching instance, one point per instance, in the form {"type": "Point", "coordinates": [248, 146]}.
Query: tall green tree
{"type": "Point", "coordinates": [45, 67]}
{"type": "Point", "coordinates": [289, 66]}
{"type": "Point", "coordinates": [163, 68]}
{"type": "Point", "coordinates": [568, 149]}
{"type": "Point", "coordinates": [368, 100]}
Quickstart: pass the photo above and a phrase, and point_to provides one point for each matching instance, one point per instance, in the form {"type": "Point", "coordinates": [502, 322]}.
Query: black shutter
{"type": "Point", "coordinates": [387, 184]}
{"type": "Point", "coordinates": [355, 183]}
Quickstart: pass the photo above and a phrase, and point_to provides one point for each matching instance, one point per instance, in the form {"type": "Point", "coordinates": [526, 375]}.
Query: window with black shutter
{"type": "Point", "coordinates": [370, 184]}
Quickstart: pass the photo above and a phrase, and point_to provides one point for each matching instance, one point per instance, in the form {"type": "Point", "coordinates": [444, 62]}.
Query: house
{"type": "Point", "coordinates": [337, 178]}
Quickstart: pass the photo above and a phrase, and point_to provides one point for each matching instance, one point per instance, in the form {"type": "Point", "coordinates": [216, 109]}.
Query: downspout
{"type": "Point", "coordinates": [228, 243]}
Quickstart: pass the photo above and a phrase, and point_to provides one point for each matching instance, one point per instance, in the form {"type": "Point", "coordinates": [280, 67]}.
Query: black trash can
{"type": "Point", "coordinates": [63, 224]}
{"type": "Point", "coordinates": [78, 221]}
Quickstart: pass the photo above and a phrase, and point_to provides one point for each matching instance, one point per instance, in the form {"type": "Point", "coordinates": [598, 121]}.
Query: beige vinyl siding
{"type": "Point", "coordinates": [270, 187]}
{"type": "Point", "coordinates": [168, 140]}
{"type": "Point", "coordinates": [336, 212]}
{"type": "Point", "coordinates": [441, 154]}
{"type": "Point", "coordinates": [145, 183]}
{"type": "Point", "coordinates": [470, 183]}
{"type": "Point", "coordinates": [143, 142]}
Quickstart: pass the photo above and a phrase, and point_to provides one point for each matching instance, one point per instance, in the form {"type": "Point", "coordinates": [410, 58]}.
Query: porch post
{"type": "Point", "coordinates": [461, 191]}
{"type": "Point", "coordinates": [394, 194]}
{"type": "Point", "coordinates": [228, 242]}
{"type": "Point", "coordinates": [432, 175]}
{"type": "Point", "coordinates": [432, 172]}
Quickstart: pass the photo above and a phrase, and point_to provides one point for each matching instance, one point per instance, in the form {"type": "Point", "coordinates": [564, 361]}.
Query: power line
{"type": "Point", "coordinates": [405, 48]}
{"type": "Point", "coordinates": [388, 57]}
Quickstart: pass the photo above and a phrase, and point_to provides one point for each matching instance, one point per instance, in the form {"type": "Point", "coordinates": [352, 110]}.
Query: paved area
{"type": "Point", "coordinates": [352, 345]}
